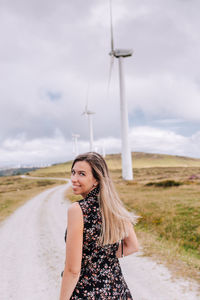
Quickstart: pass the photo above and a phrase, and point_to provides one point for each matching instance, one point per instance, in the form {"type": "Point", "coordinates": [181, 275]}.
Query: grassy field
{"type": "Point", "coordinates": [165, 192]}
{"type": "Point", "coordinates": [58, 170]}
{"type": "Point", "coordinates": [15, 191]}
{"type": "Point", "coordinates": [170, 216]}
{"type": "Point", "coordinates": [168, 229]}
{"type": "Point", "coordinates": [168, 201]}
{"type": "Point", "coordinates": [147, 160]}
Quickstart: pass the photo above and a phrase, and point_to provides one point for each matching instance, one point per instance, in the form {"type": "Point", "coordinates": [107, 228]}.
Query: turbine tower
{"type": "Point", "coordinates": [75, 143]}
{"type": "Point", "coordinates": [120, 54]}
{"type": "Point", "coordinates": [103, 150]}
{"type": "Point", "coordinates": [89, 114]}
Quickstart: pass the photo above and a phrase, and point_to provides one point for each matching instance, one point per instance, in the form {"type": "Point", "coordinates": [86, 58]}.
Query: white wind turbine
{"type": "Point", "coordinates": [89, 114]}
{"type": "Point", "coordinates": [127, 171]}
{"type": "Point", "coordinates": [75, 143]}
{"type": "Point", "coordinates": [103, 150]}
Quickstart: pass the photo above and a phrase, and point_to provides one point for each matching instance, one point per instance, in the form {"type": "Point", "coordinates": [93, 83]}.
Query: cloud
{"type": "Point", "coordinates": [51, 51]}
{"type": "Point", "coordinates": [148, 139]}
{"type": "Point", "coordinates": [59, 149]}
{"type": "Point", "coordinates": [164, 95]}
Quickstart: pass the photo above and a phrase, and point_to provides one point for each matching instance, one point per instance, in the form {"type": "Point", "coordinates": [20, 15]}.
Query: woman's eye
{"type": "Point", "coordinates": [82, 174]}
{"type": "Point", "coordinates": [72, 172]}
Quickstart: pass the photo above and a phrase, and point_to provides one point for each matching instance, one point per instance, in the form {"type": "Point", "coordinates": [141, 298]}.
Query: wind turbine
{"type": "Point", "coordinates": [120, 54]}
{"type": "Point", "coordinates": [103, 150]}
{"type": "Point", "coordinates": [89, 114]}
{"type": "Point", "coordinates": [75, 145]}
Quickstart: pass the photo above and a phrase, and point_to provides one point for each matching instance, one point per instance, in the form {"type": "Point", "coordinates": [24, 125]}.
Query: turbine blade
{"type": "Point", "coordinates": [110, 74]}
{"type": "Point", "coordinates": [111, 28]}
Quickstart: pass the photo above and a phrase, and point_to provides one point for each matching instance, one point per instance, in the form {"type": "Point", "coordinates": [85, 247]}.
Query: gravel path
{"type": "Point", "coordinates": [32, 254]}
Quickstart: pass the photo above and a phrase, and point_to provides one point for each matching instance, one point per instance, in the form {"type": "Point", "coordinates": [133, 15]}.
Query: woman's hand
{"type": "Point", "coordinates": [130, 243]}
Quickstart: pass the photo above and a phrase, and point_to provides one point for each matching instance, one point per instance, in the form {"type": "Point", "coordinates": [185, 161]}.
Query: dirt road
{"type": "Point", "coordinates": [32, 253]}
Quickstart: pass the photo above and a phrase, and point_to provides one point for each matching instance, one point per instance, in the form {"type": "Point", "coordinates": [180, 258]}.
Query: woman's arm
{"type": "Point", "coordinates": [130, 243]}
{"type": "Point", "coordinates": [74, 244]}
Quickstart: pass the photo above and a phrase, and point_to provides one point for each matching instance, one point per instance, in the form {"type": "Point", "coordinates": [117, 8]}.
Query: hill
{"type": "Point", "coordinates": [140, 160]}
{"type": "Point", "coordinates": [151, 160]}
{"type": "Point", "coordinates": [16, 171]}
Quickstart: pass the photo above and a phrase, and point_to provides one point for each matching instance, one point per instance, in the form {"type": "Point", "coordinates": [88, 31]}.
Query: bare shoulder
{"type": "Point", "coordinates": [74, 211]}
{"type": "Point", "coordinates": [75, 219]}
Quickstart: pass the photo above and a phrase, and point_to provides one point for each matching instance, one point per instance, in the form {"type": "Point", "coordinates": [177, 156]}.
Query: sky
{"type": "Point", "coordinates": [54, 55]}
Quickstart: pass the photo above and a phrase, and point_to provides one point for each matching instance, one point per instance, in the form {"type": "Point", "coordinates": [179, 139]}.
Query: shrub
{"type": "Point", "coordinates": [44, 182]}
{"type": "Point", "coordinates": [164, 183]}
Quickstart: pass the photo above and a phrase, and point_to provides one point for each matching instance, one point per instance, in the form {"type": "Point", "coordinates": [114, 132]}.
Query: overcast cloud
{"type": "Point", "coordinates": [52, 50]}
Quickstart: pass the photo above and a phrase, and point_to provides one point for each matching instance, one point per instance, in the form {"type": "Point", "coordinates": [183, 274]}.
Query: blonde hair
{"type": "Point", "coordinates": [115, 217]}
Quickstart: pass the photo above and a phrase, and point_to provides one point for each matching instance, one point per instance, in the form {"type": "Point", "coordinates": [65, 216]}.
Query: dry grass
{"type": "Point", "coordinates": [169, 229]}
{"type": "Point", "coordinates": [140, 160]}
{"type": "Point", "coordinates": [70, 195]}
{"type": "Point", "coordinates": [58, 170]}
{"type": "Point", "coordinates": [15, 191]}
{"type": "Point", "coordinates": [148, 160]}
{"type": "Point", "coordinates": [170, 225]}
{"type": "Point", "coordinates": [168, 253]}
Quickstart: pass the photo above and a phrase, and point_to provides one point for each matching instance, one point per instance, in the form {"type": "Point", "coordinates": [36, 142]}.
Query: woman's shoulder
{"type": "Point", "coordinates": [74, 209]}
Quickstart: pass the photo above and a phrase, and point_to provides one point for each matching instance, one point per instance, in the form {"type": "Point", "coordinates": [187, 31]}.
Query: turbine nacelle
{"type": "Point", "coordinates": [88, 112]}
{"type": "Point", "coordinates": [121, 52]}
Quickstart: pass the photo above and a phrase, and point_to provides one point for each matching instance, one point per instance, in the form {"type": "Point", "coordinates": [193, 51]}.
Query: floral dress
{"type": "Point", "coordinates": [101, 276]}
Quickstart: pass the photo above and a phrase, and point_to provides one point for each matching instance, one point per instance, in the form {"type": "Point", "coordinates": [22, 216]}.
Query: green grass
{"type": "Point", "coordinates": [173, 214]}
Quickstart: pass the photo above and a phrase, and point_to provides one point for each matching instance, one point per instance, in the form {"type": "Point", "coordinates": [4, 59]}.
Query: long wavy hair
{"type": "Point", "coordinates": [115, 217]}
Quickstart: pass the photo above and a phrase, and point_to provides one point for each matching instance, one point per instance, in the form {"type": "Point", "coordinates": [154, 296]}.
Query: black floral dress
{"type": "Point", "coordinates": [101, 276]}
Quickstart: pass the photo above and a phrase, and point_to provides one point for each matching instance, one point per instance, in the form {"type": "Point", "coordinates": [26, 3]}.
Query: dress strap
{"type": "Point", "coordinates": [122, 246]}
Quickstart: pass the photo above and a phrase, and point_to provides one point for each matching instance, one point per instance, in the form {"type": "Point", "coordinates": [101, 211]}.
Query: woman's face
{"type": "Point", "coordinates": [82, 178]}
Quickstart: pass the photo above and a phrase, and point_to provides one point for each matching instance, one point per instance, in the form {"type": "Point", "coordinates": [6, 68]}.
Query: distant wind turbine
{"type": "Point", "coordinates": [127, 171]}
{"type": "Point", "coordinates": [89, 114]}
{"type": "Point", "coordinates": [103, 150]}
{"type": "Point", "coordinates": [75, 143]}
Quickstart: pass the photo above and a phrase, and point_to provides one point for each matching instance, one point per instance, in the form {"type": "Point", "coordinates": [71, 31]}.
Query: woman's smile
{"type": "Point", "coordinates": [74, 187]}
{"type": "Point", "coordinates": [82, 178]}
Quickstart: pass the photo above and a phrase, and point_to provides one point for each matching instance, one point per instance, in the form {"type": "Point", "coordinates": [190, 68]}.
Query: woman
{"type": "Point", "coordinates": [96, 225]}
